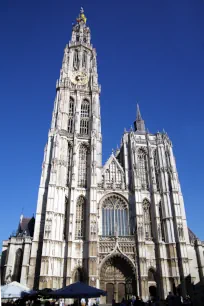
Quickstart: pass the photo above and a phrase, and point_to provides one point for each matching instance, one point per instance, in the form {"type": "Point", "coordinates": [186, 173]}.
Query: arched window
{"type": "Point", "coordinates": [82, 169]}
{"type": "Point", "coordinates": [80, 218]}
{"type": "Point", "coordinates": [143, 169]}
{"type": "Point", "coordinates": [65, 218]}
{"type": "Point", "coordinates": [69, 155]}
{"type": "Point", "coordinates": [71, 107]}
{"type": "Point", "coordinates": [76, 60]}
{"type": "Point", "coordinates": [78, 276]}
{"type": "Point", "coordinates": [84, 59]}
{"type": "Point", "coordinates": [85, 109]}
{"type": "Point", "coordinates": [115, 216]}
{"type": "Point", "coordinates": [161, 222]}
{"type": "Point", "coordinates": [151, 275]}
{"type": "Point", "coordinates": [84, 122]}
{"type": "Point", "coordinates": [156, 167]}
{"type": "Point", "coordinates": [147, 220]}
{"type": "Point", "coordinates": [70, 116]}
{"type": "Point", "coordinates": [18, 265]}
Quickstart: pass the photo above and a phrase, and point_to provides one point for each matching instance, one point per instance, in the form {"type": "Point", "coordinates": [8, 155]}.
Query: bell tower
{"type": "Point", "coordinates": [65, 239]}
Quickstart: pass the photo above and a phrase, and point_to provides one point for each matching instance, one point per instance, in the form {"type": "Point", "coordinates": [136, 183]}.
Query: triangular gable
{"type": "Point", "coordinates": [108, 163]}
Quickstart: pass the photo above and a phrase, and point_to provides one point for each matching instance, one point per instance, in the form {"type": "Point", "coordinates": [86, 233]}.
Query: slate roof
{"type": "Point", "coordinates": [26, 227]}
{"type": "Point", "coordinates": [192, 236]}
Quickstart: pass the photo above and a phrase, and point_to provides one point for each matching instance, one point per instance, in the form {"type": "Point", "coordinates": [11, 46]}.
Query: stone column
{"type": "Point", "coordinates": [25, 262]}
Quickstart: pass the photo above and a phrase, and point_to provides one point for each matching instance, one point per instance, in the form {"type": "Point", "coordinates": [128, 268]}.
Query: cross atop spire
{"type": "Point", "coordinates": [139, 123]}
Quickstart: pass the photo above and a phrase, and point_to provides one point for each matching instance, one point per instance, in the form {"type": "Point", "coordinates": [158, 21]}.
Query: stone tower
{"type": "Point", "coordinates": [70, 171]}
{"type": "Point", "coordinates": [121, 226]}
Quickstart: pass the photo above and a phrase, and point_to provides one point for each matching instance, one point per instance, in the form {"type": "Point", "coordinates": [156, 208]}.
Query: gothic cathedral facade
{"type": "Point", "coordinates": [122, 226]}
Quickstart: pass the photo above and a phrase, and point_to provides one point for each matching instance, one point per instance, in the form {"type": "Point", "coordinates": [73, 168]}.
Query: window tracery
{"type": "Point", "coordinates": [115, 216]}
{"type": "Point", "coordinates": [84, 59]}
{"type": "Point", "coordinates": [156, 168]}
{"type": "Point", "coordinates": [147, 219]}
{"type": "Point", "coordinates": [143, 169]}
{"type": "Point", "coordinates": [70, 116]}
{"type": "Point", "coordinates": [69, 154]}
{"type": "Point", "coordinates": [80, 218]}
{"type": "Point", "coordinates": [18, 265]}
{"type": "Point", "coordinates": [84, 122]}
{"type": "Point", "coordinates": [76, 60]}
{"type": "Point", "coordinates": [82, 169]}
{"type": "Point", "coordinates": [161, 222]}
{"type": "Point", "coordinates": [113, 173]}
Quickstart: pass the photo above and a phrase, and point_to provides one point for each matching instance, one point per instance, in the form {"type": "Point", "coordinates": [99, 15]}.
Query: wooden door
{"type": "Point", "coordinates": [110, 293]}
{"type": "Point", "coordinates": [121, 292]}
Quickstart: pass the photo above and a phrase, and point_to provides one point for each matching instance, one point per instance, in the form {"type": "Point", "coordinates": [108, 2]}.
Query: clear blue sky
{"type": "Point", "coordinates": [151, 51]}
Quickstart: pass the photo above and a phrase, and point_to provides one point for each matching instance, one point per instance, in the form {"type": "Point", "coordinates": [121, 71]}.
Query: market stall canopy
{"type": "Point", "coordinates": [14, 290]}
{"type": "Point", "coordinates": [78, 290]}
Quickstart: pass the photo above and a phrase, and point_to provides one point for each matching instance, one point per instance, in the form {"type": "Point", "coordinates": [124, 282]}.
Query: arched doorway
{"type": "Point", "coordinates": [152, 283]}
{"type": "Point", "coordinates": [117, 278]}
{"type": "Point", "coordinates": [78, 275]}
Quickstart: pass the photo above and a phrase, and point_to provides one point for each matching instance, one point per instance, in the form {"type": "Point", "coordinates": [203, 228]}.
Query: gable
{"type": "Point", "coordinates": [113, 171]}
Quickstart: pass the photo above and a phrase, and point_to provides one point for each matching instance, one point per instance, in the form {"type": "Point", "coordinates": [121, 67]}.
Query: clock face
{"type": "Point", "coordinates": [80, 78]}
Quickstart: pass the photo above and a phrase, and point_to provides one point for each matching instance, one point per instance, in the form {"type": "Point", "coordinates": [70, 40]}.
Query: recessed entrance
{"type": "Point", "coordinates": [118, 279]}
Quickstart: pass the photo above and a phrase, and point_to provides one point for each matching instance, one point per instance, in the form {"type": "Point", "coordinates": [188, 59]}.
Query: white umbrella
{"type": "Point", "coordinates": [13, 290]}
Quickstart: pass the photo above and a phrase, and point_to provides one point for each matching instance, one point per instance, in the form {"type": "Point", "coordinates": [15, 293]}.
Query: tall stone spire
{"type": "Point", "coordinates": [139, 123]}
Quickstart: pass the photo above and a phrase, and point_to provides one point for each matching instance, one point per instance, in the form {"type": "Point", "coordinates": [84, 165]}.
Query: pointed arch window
{"type": "Point", "coordinates": [80, 218]}
{"type": "Point", "coordinates": [84, 122]}
{"type": "Point", "coordinates": [151, 275]}
{"type": "Point", "coordinates": [143, 169]}
{"type": "Point", "coordinates": [82, 169]}
{"type": "Point", "coordinates": [18, 265]}
{"type": "Point", "coordinates": [84, 59]}
{"type": "Point", "coordinates": [162, 234]}
{"type": "Point", "coordinates": [147, 220]}
{"type": "Point", "coordinates": [115, 216]}
{"type": "Point", "coordinates": [69, 154]}
{"type": "Point", "coordinates": [65, 218]}
{"type": "Point", "coordinates": [76, 60]}
{"type": "Point", "coordinates": [156, 168]}
{"type": "Point", "coordinates": [70, 116]}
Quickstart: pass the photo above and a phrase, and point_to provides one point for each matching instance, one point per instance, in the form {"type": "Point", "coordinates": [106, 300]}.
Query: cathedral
{"type": "Point", "coordinates": [120, 226]}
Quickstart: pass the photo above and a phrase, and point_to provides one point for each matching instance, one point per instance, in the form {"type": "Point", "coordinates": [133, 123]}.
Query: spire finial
{"type": "Point", "coordinates": [139, 123]}
{"type": "Point", "coordinates": [81, 16]}
{"type": "Point", "coordinates": [139, 117]}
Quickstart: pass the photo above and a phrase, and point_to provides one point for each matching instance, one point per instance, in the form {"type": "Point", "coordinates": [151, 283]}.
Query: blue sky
{"type": "Point", "coordinates": [151, 52]}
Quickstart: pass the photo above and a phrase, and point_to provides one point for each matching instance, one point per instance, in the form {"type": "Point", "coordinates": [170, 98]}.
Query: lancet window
{"type": "Point", "coordinates": [76, 60]}
{"type": "Point", "coordinates": [147, 220]}
{"type": "Point", "coordinates": [151, 275]}
{"type": "Point", "coordinates": [80, 218]}
{"type": "Point", "coordinates": [70, 116]}
{"type": "Point", "coordinates": [143, 169]}
{"type": "Point", "coordinates": [84, 59]}
{"type": "Point", "coordinates": [84, 122]}
{"type": "Point", "coordinates": [82, 169]}
{"type": "Point", "coordinates": [156, 168]}
{"type": "Point", "coordinates": [161, 222]}
{"type": "Point", "coordinates": [65, 218]}
{"type": "Point", "coordinates": [115, 216]}
{"type": "Point", "coordinates": [69, 154]}
{"type": "Point", "coordinates": [18, 265]}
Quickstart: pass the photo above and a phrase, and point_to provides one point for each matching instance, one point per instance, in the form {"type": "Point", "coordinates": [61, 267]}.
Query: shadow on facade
{"type": "Point", "coordinates": [42, 225]}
